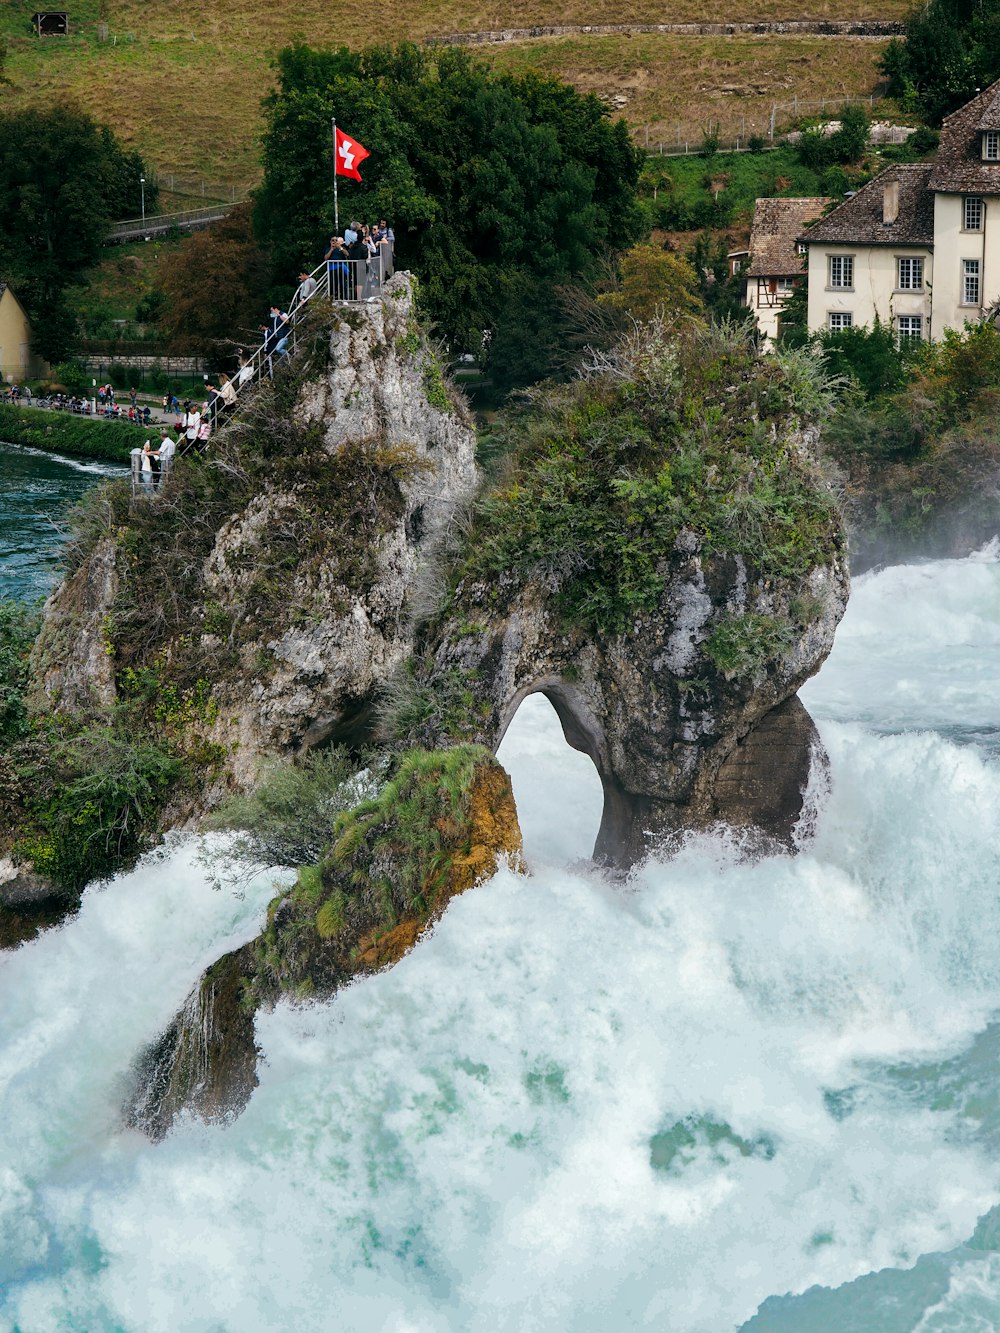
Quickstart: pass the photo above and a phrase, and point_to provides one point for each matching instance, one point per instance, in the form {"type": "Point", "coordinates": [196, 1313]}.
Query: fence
{"type": "Point", "coordinates": [214, 190]}
{"type": "Point", "coordinates": [734, 133]}
{"type": "Point", "coordinates": [355, 280]}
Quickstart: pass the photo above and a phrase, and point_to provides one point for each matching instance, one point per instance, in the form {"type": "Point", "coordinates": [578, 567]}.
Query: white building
{"type": "Point", "coordinates": [919, 246]}
{"type": "Point", "coordinates": [776, 259]}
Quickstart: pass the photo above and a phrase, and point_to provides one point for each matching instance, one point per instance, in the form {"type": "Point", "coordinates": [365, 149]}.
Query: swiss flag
{"type": "Point", "coordinates": [349, 155]}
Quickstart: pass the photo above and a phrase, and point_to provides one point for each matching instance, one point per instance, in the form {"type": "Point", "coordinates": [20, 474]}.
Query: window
{"type": "Point", "coordinates": [840, 319]}
{"type": "Point", "coordinates": [991, 146]}
{"type": "Point", "coordinates": [973, 220]}
{"type": "Point", "coordinates": [910, 275]}
{"type": "Point", "coordinates": [970, 281]}
{"type": "Point", "coordinates": [911, 327]}
{"type": "Point", "coordinates": [842, 271]}
{"type": "Point", "coordinates": [802, 248]}
{"type": "Point", "coordinates": [785, 285]}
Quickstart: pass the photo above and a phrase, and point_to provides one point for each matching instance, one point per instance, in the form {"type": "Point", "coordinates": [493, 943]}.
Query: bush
{"type": "Point", "coordinates": [18, 628]}
{"type": "Point", "coordinates": [73, 374]}
{"type": "Point", "coordinates": [871, 356]}
{"type": "Point", "coordinates": [666, 434]}
{"type": "Point", "coordinates": [288, 819]}
{"type": "Point", "coordinates": [94, 797]}
{"type": "Point", "coordinates": [924, 141]}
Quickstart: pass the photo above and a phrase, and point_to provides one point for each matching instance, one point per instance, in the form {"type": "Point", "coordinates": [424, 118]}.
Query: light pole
{"type": "Point", "coordinates": [142, 186]}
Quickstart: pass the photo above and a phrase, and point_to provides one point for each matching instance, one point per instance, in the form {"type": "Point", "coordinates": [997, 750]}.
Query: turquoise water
{"type": "Point", "coordinates": [35, 489]}
{"type": "Point", "coordinates": [723, 1096]}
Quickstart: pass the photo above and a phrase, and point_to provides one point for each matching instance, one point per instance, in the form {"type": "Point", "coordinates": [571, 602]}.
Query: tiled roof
{"type": "Point", "coordinates": [858, 221]}
{"type": "Point", "coordinates": [776, 227]}
{"type": "Point", "coordinates": [958, 164]}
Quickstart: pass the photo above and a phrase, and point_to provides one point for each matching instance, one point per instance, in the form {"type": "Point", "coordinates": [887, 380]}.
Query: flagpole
{"type": "Point", "coordinates": [336, 205]}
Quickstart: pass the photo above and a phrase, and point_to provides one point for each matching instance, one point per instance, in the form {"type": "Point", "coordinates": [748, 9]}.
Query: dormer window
{"type": "Point", "coordinates": [991, 145]}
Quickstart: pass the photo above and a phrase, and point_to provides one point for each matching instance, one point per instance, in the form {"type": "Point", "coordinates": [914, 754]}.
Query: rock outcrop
{"type": "Point", "coordinates": [385, 882]}
{"type": "Point", "coordinates": [29, 903]}
{"type": "Point", "coordinates": [276, 625]}
{"type": "Point", "coordinates": [670, 625]}
{"type": "Point", "coordinates": [678, 742]}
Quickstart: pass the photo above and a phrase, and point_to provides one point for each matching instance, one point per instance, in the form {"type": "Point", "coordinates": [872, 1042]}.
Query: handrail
{"type": "Point", "coordinates": [156, 220]}
{"type": "Point", "coordinates": [341, 281]}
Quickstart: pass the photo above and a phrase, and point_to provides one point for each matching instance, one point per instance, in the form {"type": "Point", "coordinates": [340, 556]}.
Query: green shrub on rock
{"type": "Point", "coordinates": [664, 435]}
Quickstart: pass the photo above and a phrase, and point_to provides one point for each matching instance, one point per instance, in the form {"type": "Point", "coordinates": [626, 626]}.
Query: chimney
{"type": "Point", "coordinates": [890, 201]}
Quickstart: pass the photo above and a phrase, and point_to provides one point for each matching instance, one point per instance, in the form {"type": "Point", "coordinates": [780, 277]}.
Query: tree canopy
{"type": "Point", "coordinates": [487, 178]}
{"type": "Point", "coordinates": [213, 288]}
{"type": "Point", "coordinates": [63, 178]}
{"type": "Point", "coordinates": [950, 51]}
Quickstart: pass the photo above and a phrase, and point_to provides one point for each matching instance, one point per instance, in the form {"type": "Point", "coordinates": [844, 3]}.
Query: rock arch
{"type": "Point", "coordinates": [678, 743]}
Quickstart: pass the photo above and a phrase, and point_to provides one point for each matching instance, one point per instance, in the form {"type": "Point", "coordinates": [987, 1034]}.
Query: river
{"type": "Point", "coordinates": [35, 488]}
{"type": "Point", "coordinates": [724, 1096]}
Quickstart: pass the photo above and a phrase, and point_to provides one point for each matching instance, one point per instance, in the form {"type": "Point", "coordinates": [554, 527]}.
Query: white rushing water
{"type": "Point", "coordinates": [726, 1095]}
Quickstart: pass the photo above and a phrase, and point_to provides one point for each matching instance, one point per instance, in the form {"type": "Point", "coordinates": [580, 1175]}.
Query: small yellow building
{"type": "Point", "coordinates": [17, 361]}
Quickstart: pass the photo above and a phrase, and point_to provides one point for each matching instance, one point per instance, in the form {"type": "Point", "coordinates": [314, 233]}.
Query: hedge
{"type": "Point", "coordinates": [80, 437]}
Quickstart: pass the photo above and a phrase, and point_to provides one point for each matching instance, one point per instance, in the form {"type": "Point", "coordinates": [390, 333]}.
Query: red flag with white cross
{"type": "Point", "coordinates": [349, 155]}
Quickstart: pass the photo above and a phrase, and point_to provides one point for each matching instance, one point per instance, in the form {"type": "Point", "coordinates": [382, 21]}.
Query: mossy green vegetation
{"type": "Point", "coordinates": [64, 433]}
{"type": "Point", "coordinates": [19, 626]}
{"type": "Point", "coordinates": [390, 858]}
{"type": "Point", "coordinates": [742, 645]}
{"type": "Point", "coordinates": [694, 433]}
{"type": "Point", "coordinates": [92, 796]}
{"type": "Point", "coordinates": [78, 794]}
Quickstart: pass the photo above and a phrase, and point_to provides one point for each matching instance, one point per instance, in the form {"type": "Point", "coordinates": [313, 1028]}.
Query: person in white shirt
{"type": "Point", "coordinates": [165, 451]}
{"type": "Point", "coordinates": [192, 420]}
{"type": "Point", "coordinates": [307, 285]}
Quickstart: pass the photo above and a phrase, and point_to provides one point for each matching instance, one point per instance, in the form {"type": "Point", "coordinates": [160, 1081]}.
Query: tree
{"type": "Point", "coordinates": [62, 180]}
{"type": "Point", "coordinates": [653, 283]}
{"type": "Point", "coordinates": [870, 355]}
{"type": "Point", "coordinates": [214, 289]}
{"type": "Point", "coordinates": [950, 51]}
{"type": "Point", "coordinates": [487, 178]}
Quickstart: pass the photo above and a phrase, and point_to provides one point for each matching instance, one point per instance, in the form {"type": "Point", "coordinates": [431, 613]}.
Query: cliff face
{"type": "Point", "coordinates": [670, 730]}
{"type": "Point", "coordinates": [259, 605]}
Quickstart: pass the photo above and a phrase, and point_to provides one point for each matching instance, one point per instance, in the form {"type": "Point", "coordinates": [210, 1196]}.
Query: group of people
{"type": "Point", "coordinates": [371, 246]}
{"type": "Point", "coordinates": [348, 281]}
{"type": "Point", "coordinates": [15, 393]}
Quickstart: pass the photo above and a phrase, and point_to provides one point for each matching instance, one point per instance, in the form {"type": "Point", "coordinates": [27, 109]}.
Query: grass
{"type": "Point", "coordinates": [694, 190]}
{"type": "Point", "coordinates": [63, 433]}
{"type": "Point", "coordinates": [184, 81]}
{"type": "Point", "coordinates": [680, 86]}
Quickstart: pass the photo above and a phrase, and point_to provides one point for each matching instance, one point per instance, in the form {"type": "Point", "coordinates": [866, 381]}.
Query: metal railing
{"type": "Point", "coordinates": [149, 481]}
{"type": "Point", "coordinates": [164, 221]}
{"type": "Point", "coordinates": [339, 280]}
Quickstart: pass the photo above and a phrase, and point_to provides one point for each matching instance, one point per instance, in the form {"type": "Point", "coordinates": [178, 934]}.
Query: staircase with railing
{"type": "Point", "coordinates": [338, 280]}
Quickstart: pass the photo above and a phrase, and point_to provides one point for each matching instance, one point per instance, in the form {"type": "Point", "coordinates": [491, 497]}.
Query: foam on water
{"type": "Point", "coordinates": [576, 1106]}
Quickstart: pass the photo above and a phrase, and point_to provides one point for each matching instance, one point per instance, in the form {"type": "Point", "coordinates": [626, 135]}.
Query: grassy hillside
{"type": "Point", "coordinates": [692, 82]}
{"type": "Point", "coordinates": [182, 79]}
